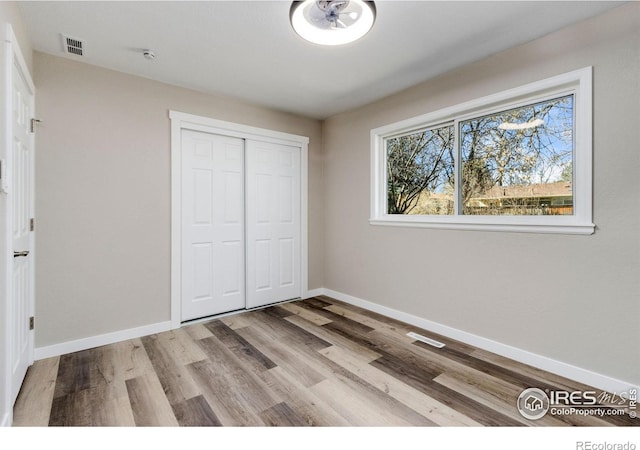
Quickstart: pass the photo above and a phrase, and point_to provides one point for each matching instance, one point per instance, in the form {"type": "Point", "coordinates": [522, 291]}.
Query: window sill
{"type": "Point", "coordinates": [525, 225]}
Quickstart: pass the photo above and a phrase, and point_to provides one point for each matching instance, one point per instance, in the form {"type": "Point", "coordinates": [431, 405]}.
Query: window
{"type": "Point", "coordinates": [420, 172]}
{"type": "Point", "coordinates": [519, 160]}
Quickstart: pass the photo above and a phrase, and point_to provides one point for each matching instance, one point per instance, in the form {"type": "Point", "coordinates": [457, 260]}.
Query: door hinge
{"type": "Point", "coordinates": [32, 323]}
{"type": "Point", "coordinates": [32, 224]}
{"type": "Point", "coordinates": [34, 122]}
{"type": "Point", "coordinates": [4, 187]}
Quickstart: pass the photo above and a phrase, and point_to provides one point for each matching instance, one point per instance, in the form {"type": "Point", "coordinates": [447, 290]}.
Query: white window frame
{"type": "Point", "coordinates": [578, 83]}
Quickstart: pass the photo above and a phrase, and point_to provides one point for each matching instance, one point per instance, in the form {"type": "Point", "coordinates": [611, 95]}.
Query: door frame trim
{"type": "Point", "coordinates": [184, 121]}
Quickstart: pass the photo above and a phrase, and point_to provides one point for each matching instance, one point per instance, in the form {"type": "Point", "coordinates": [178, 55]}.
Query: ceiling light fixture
{"type": "Point", "coordinates": [332, 22]}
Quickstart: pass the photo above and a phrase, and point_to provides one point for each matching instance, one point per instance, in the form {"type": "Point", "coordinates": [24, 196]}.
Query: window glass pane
{"type": "Point", "coordinates": [519, 162]}
{"type": "Point", "coordinates": [420, 172]}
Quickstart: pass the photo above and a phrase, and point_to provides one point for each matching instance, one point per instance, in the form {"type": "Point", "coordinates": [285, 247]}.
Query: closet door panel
{"type": "Point", "coordinates": [273, 223]}
{"type": "Point", "coordinates": [213, 262]}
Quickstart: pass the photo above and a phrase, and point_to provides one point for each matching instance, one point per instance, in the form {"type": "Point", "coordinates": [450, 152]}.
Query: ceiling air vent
{"type": "Point", "coordinates": [72, 46]}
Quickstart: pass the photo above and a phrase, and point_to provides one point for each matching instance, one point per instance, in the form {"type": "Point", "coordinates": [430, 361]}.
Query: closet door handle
{"type": "Point", "coordinates": [16, 254]}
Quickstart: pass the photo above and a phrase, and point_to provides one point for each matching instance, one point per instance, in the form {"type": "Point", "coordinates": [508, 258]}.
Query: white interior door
{"type": "Point", "coordinates": [213, 276]}
{"type": "Point", "coordinates": [21, 194]}
{"type": "Point", "coordinates": [273, 223]}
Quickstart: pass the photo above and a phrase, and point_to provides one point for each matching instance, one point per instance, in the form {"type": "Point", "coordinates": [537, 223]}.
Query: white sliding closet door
{"type": "Point", "coordinates": [213, 275]}
{"type": "Point", "coordinates": [273, 223]}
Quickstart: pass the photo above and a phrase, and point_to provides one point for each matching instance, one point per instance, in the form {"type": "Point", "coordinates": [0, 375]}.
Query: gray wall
{"type": "Point", "coordinates": [103, 195]}
{"type": "Point", "coordinates": [10, 13]}
{"type": "Point", "coordinates": [570, 298]}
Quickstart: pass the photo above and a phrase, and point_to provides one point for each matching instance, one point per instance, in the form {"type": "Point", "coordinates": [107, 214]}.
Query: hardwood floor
{"type": "Point", "coordinates": [317, 362]}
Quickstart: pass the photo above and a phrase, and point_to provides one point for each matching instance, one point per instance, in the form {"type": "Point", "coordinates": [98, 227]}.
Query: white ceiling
{"type": "Point", "coordinates": [248, 50]}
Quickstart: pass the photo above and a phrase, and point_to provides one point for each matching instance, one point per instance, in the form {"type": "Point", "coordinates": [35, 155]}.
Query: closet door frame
{"type": "Point", "coordinates": [183, 121]}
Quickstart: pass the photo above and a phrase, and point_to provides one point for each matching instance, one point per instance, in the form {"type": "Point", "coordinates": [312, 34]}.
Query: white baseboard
{"type": "Point", "coordinates": [579, 374]}
{"type": "Point", "coordinates": [314, 293]}
{"type": "Point", "coordinates": [102, 339]}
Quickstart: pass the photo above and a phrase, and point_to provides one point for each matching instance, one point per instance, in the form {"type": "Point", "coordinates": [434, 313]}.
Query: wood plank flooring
{"type": "Point", "coordinates": [317, 362]}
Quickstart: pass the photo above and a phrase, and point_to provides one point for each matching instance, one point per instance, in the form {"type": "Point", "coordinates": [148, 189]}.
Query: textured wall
{"type": "Point", "coordinates": [575, 299]}
{"type": "Point", "coordinates": [10, 13]}
{"type": "Point", "coordinates": [103, 194]}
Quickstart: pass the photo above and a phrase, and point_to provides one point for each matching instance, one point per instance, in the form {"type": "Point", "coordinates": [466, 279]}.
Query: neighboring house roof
{"type": "Point", "coordinates": [558, 189]}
